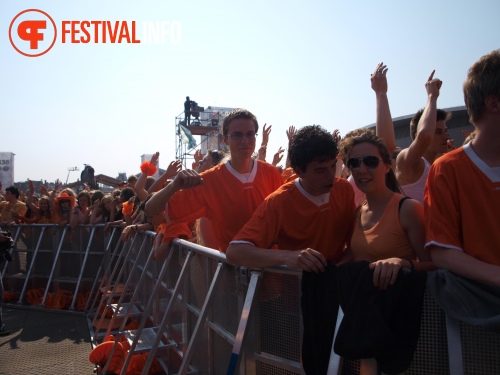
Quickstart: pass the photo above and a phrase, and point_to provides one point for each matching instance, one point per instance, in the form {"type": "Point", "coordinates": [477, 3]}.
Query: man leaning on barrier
{"type": "Point", "coordinates": [309, 222]}
{"type": "Point", "coordinates": [462, 208]}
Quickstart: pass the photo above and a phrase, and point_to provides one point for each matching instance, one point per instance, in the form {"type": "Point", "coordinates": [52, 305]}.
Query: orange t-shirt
{"type": "Point", "coordinates": [386, 239]}
{"type": "Point", "coordinates": [287, 173]}
{"type": "Point", "coordinates": [462, 205]}
{"type": "Point", "coordinates": [227, 198]}
{"type": "Point", "coordinates": [290, 219]}
{"type": "Point", "coordinates": [171, 231]}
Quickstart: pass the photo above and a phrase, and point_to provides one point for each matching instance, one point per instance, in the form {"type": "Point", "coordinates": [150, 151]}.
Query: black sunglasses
{"type": "Point", "coordinates": [370, 162]}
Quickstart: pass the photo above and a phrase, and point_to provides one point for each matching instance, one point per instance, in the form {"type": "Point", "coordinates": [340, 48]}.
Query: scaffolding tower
{"type": "Point", "coordinates": [208, 127]}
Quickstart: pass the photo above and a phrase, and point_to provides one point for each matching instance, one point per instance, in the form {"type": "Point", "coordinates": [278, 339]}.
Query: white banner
{"type": "Point", "coordinates": [147, 157]}
{"type": "Point", "coordinates": [7, 169]}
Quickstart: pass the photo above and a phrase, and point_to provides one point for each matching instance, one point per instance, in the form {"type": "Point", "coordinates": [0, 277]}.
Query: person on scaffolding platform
{"type": "Point", "coordinates": [3, 240]}
{"type": "Point", "coordinates": [187, 111]}
{"type": "Point", "coordinates": [226, 194]}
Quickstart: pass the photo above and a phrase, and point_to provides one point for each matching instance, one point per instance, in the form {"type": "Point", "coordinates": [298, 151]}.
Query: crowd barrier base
{"type": "Point", "coordinates": [193, 313]}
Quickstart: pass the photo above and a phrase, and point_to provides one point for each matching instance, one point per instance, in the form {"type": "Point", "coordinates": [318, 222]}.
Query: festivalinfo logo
{"type": "Point", "coordinates": [34, 32]}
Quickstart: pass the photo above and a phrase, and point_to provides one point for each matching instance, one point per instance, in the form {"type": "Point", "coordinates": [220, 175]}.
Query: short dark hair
{"type": "Point", "coordinates": [236, 114]}
{"type": "Point", "coordinates": [441, 115]}
{"type": "Point", "coordinates": [483, 80]}
{"type": "Point", "coordinates": [98, 194]}
{"type": "Point", "coordinates": [311, 143]}
{"type": "Point", "coordinates": [13, 190]}
{"type": "Point", "coordinates": [127, 193]}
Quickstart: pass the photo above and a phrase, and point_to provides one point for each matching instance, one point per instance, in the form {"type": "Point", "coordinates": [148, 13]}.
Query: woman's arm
{"type": "Point", "coordinates": [411, 218]}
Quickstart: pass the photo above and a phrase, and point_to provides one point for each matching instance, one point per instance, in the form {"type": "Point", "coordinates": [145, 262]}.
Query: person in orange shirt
{"type": "Point", "coordinates": [308, 219]}
{"type": "Point", "coordinates": [305, 224]}
{"type": "Point", "coordinates": [462, 196]}
{"type": "Point", "coordinates": [227, 194]}
{"type": "Point", "coordinates": [462, 205]}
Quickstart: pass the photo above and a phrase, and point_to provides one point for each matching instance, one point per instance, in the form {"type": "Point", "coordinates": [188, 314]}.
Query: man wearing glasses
{"type": "Point", "coordinates": [227, 194]}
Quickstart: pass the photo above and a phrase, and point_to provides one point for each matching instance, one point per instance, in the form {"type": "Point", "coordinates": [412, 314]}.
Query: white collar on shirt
{"type": "Point", "coordinates": [320, 200]}
{"type": "Point", "coordinates": [492, 173]}
{"type": "Point", "coordinates": [244, 178]}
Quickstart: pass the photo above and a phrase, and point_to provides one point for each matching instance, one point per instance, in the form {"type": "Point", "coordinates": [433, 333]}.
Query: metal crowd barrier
{"type": "Point", "coordinates": [196, 314]}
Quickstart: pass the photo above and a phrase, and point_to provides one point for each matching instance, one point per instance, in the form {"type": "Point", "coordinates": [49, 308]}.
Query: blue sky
{"type": "Point", "coordinates": [290, 63]}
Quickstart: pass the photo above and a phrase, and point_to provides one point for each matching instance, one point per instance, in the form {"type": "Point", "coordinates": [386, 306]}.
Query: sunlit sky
{"type": "Point", "coordinates": [288, 62]}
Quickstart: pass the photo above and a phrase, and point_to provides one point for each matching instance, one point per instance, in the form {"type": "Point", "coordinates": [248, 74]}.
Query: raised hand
{"type": "Point", "coordinates": [173, 168]}
{"type": "Point", "coordinates": [433, 85]}
{"type": "Point", "coordinates": [290, 133]}
{"type": "Point", "coordinates": [43, 190]}
{"type": "Point", "coordinates": [265, 134]}
{"type": "Point", "coordinates": [154, 159]}
{"type": "Point", "coordinates": [379, 79]}
{"type": "Point", "coordinates": [336, 136]}
{"type": "Point", "coordinates": [198, 156]}
{"type": "Point", "coordinates": [278, 156]}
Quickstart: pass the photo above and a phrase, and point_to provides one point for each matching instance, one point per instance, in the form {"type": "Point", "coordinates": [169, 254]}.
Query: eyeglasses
{"type": "Point", "coordinates": [369, 161]}
{"type": "Point", "coordinates": [238, 136]}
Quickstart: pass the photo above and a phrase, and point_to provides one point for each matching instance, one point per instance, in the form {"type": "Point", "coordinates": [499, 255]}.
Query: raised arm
{"type": "Point", "coordinates": [52, 195]}
{"type": "Point", "coordinates": [410, 157]}
{"type": "Point", "coordinates": [173, 168]}
{"type": "Point", "coordinates": [290, 133]}
{"type": "Point", "coordinates": [198, 157]}
{"type": "Point", "coordinates": [184, 180]}
{"type": "Point", "coordinates": [29, 201]}
{"type": "Point", "coordinates": [265, 141]}
{"type": "Point", "coordinates": [278, 156]}
{"type": "Point", "coordinates": [384, 127]}
{"type": "Point", "coordinates": [148, 168]}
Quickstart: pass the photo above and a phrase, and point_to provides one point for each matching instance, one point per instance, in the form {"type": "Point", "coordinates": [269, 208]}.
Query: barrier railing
{"type": "Point", "coordinates": [194, 313]}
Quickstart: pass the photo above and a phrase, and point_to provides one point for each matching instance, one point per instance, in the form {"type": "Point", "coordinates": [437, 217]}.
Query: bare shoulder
{"type": "Point", "coordinates": [408, 169]}
{"type": "Point", "coordinates": [411, 211]}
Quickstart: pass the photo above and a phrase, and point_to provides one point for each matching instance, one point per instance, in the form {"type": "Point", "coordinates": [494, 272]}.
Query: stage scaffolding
{"type": "Point", "coordinates": [206, 130]}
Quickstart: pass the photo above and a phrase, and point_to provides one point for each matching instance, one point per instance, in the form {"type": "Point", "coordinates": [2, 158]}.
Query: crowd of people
{"type": "Point", "coordinates": [367, 222]}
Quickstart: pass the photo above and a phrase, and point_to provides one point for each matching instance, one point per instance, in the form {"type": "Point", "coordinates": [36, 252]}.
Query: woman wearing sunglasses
{"type": "Point", "coordinates": [389, 230]}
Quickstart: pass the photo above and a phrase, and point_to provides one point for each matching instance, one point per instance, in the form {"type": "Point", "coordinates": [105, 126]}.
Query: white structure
{"type": "Point", "coordinates": [208, 126]}
{"type": "Point", "coordinates": [147, 157]}
{"type": "Point", "coordinates": [7, 169]}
